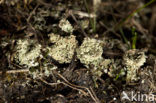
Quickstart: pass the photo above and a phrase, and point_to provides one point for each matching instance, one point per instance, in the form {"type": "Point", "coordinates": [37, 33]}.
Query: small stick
{"type": "Point", "coordinates": [32, 13]}
{"type": "Point", "coordinates": [83, 14]}
{"type": "Point", "coordinates": [71, 13]}
{"type": "Point", "coordinates": [15, 71]}
{"type": "Point", "coordinates": [75, 86]}
{"type": "Point", "coordinates": [96, 99]}
{"type": "Point", "coordinates": [52, 84]}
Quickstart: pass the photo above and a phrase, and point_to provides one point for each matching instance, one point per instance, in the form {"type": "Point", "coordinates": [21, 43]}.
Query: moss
{"type": "Point", "coordinates": [27, 52]}
{"type": "Point", "coordinates": [63, 48]}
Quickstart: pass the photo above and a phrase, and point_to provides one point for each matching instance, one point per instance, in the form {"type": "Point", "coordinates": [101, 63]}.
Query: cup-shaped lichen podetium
{"type": "Point", "coordinates": [63, 48]}
{"type": "Point", "coordinates": [133, 60]}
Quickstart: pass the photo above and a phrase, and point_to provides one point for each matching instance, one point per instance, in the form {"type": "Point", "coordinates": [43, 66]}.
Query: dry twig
{"type": "Point", "coordinates": [15, 71]}
{"type": "Point", "coordinates": [71, 13]}
{"type": "Point", "coordinates": [75, 86]}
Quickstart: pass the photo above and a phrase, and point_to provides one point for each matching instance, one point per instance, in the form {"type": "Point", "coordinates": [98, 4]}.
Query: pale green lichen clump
{"type": "Point", "coordinates": [66, 26]}
{"type": "Point", "coordinates": [90, 52]}
{"type": "Point", "coordinates": [63, 48]}
{"type": "Point", "coordinates": [27, 52]}
{"type": "Point", "coordinates": [133, 60]}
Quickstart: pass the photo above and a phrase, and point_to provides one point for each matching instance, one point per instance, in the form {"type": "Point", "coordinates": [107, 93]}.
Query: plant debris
{"type": "Point", "coordinates": [69, 51]}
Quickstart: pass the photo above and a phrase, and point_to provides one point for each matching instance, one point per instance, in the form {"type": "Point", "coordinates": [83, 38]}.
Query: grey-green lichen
{"type": "Point", "coordinates": [133, 60]}
{"type": "Point", "coordinates": [63, 48]}
{"type": "Point", "coordinates": [84, 24]}
{"type": "Point", "coordinates": [66, 26]}
{"type": "Point", "coordinates": [27, 52]}
{"type": "Point", "coordinates": [45, 71]}
{"type": "Point", "coordinates": [115, 68]}
{"type": "Point", "coordinates": [101, 67]}
{"type": "Point", "coordinates": [39, 22]}
{"type": "Point", "coordinates": [90, 52]}
{"type": "Point", "coordinates": [8, 2]}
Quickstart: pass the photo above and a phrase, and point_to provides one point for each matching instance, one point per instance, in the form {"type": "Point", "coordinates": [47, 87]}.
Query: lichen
{"type": "Point", "coordinates": [63, 48]}
{"type": "Point", "coordinates": [84, 23]}
{"type": "Point", "coordinates": [101, 67]}
{"type": "Point", "coordinates": [46, 71]}
{"type": "Point", "coordinates": [39, 19]}
{"type": "Point", "coordinates": [27, 52]}
{"type": "Point", "coordinates": [133, 60]}
{"type": "Point", "coordinates": [8, 2]}
{"type": "Point", "coordinates": [66, 26]}
{"type": "Point", "coordinates": [90, 52]}
{"type": "Point", "coordinates": [115, 69]}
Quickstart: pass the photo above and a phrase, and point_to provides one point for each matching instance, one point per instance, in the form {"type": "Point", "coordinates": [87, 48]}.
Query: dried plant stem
{"type": "Point", "coordinates": [15, 71]}
{"type": "Point", "coordinates": [71, 13]}
{"type": "Point", "coordinates": [75, 86]}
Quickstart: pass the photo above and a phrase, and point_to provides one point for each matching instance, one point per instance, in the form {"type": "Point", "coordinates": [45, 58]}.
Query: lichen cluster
{"type": "Point", "coordinates": [89, 53]}
{"type": "Point", "coordinates": [66, 26]}
{"type": "Point", "coordinates": [27, 52]}
{"type": "Point", "coordinates": [63, 48]}
{"type": "Point", "coordinates": [39, 21]}
{"type": "Point", "coordinates": [133, 60]}
{"type": "Point", "coordinates": [8, 2]}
